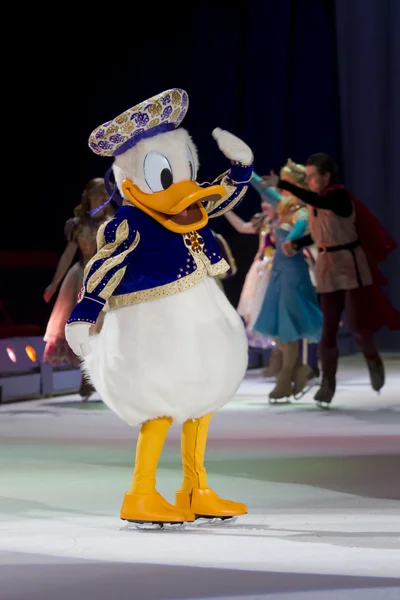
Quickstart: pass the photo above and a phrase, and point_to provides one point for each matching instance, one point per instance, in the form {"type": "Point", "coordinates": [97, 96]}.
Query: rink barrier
{"type": "Point", "coordinates": [24, 375]}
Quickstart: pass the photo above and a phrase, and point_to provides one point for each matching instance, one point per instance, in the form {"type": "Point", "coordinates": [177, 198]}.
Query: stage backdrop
{"type": "Point", "coordinates": [368, 49]}
{"type": "Point", "coordinates": [291, 77]}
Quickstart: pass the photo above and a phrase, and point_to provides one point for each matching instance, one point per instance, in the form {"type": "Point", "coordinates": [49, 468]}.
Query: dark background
{"type": "Point", "coordinates": [291, 77]}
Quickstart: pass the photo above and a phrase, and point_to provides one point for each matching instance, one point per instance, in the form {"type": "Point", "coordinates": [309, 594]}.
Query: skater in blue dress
{"type": "Point", "coordinates": [290, 310]}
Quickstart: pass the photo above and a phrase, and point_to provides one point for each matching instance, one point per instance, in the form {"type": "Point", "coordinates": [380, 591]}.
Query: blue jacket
{"type": "Point", "coordinates": [139, 260]}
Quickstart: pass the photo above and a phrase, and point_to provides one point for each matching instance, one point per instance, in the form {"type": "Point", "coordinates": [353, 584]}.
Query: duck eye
{"type": "Point", "coordinates": [157, 172]}
{"type": "Point", "coordinates": [191, 164]}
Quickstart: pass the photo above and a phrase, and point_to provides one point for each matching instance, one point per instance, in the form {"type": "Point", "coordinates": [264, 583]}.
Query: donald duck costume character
{"type": "Point", "coordinates": [172, 348]}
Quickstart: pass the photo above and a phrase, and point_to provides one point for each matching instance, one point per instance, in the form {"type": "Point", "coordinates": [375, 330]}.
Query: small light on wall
{"type": "Point", "coordinates": [31, 352]}
{"type": "Point", "coordinates": [11, 355]}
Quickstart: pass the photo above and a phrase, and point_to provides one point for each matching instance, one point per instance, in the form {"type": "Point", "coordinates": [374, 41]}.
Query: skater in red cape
{"type": "Point", "coordinates": [351, 243]}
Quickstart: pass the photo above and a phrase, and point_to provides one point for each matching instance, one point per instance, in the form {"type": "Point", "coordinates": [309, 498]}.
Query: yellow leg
{"type": "Point", "coordinates": [193, 448]}
{"type": "Point", "coordinates": [148, 451]}
{"type": "Point", "coordinates": [143, 504]}
{"type": "Point", "coordinates": [194, 494]}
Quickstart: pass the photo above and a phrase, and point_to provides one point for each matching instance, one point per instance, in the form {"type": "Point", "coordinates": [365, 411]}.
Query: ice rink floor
{"type": "Point", "coordinates": [322, 487]}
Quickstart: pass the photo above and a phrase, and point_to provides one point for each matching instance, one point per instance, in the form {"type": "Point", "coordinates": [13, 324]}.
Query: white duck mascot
{"type": "Point", "coordinates": [171, 348]}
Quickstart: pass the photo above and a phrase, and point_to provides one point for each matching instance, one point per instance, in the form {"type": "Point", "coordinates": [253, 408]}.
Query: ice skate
{"type": "Point", "coordinates": [303, 374]}
{"type": "Point", "coordinates": [376, 373]}
{"type": "Point", "coordinates": [195, 497]}
{"type": "Point", "coordinates": [208, 507]}
{"type": "Point", "coordinates": [283, 387]}
{"type": "Point", "coordinates": [325, 393]}
{"type": "Point", "coordinates": [143, 505]}
{"type": "Point", "coordinates": [152, 511]}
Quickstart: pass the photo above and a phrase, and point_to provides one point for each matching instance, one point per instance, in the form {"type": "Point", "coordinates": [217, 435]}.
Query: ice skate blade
{"type": "Point", "coordinates": [279, 400]}
{"type": "Point", "coordinates": [323, 405]}
{"type": "Point", "coordinates": [202, 520]}
{"type": "Point", "coordinates": [153, 526]}
{"type": "Point", "coordinates": [300, 395]}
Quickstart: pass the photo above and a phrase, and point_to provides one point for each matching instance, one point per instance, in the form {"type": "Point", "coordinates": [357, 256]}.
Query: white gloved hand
{"type": "Point", "coordinates": [77, 336]}
{"type": "Point", "coordinates": [233, 147]}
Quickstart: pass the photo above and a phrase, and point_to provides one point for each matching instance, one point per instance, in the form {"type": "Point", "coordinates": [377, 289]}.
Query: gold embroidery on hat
{"type": "Point", "coordinates": [176, 97]}
{"type": "Point", "coordinates": [111, 129]}
{"type": "Point", "coordinates": [128, 127]}
{"type": "Point", "coordinates": [155, 109]}
{"type": "Point", "coordinates": [101, 140]}
{"type": "Point", "coordinates": [122, 118]}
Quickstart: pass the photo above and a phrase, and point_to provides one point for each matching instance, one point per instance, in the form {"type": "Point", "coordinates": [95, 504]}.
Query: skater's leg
{"type": "Point", "coordinates": [195, 495]}
{"type": "Point", "coordinates": [332, 305]}
{"type": "Point", "coordinates": [283, 388]}
{"type": "Point", "coordinates": [313, 359]}
{"type": "Point", "coordinates": [275, 363]}
{"type": "Point", "coordinates": [143, 503]}
{"type": "Point", "coordinates": [357, 317]}
{"type": "Point", "coordinates": [303, 371]}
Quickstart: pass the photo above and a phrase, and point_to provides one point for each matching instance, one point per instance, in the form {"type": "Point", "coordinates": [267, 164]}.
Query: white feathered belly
{"type": "Point", "coordinates": [182, 356]}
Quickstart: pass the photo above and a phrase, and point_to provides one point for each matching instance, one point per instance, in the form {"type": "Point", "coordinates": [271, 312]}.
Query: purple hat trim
{"type": "Point", "coordinates": [149, 133]}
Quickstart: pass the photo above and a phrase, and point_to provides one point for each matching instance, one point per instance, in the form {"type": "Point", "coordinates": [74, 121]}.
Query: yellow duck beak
{"type": "Point", "coordinates": [179, 208]}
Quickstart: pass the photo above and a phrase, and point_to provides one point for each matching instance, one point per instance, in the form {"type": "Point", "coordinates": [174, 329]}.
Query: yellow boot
{"type": "Point", "coordinates": [194, 494]}
{"type": "Point", "coordinates": [143, 504]}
